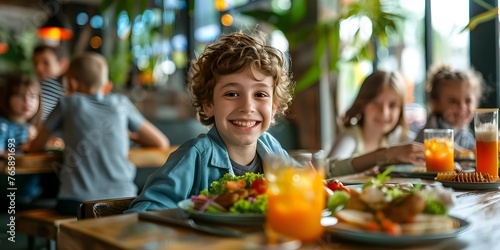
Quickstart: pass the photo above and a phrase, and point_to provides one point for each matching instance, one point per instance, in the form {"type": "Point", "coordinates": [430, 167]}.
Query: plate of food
{"type": "Point", "coordinates": [354, 233]}
{"type": "Point", "coordinates": [232, 200]}
{"type": "Point", "coordinates": [471, 185]}
{"type": "Point", "coordinates": [411, 171]}
{"type": "Point", "coordinates": [468, 180]}
{"type": "Point", "coordinates": [235, 219]}
{"type": "Point", "coordinates": [394, 214]}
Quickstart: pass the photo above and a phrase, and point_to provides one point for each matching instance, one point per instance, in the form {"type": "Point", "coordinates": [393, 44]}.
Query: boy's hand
{"type": "Point", "coordinates": [32, 132]}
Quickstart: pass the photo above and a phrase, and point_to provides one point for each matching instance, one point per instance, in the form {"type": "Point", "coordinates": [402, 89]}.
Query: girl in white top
{"type": "Point", "coordinates": [376, 114]}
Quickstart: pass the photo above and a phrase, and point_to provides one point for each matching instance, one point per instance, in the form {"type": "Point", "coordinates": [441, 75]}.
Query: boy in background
{"type": "Point", "coordinates": [50, 64]}
{"type": "Point", "coordinates": [95, 131]}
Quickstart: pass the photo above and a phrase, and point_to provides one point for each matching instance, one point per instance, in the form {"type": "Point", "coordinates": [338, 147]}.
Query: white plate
{"type": "Point", "coordinates": [409, 171]}
{"type": "Point", "coordinates": [358, 235]}
{"type": "Point", "coordinates": [471, 185]}
{"type": "Point", "coordinates": [222, 218]}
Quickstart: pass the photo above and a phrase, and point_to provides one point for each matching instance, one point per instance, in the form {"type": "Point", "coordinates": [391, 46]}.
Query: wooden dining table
{"type": "Point", "coordinates": [48, 162]}
{"type": "Point", "coordinates": [480, 208]}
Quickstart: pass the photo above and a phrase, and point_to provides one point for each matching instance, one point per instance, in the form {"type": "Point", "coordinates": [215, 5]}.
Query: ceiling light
{"type": "Point", "coordinates": [56, 28]}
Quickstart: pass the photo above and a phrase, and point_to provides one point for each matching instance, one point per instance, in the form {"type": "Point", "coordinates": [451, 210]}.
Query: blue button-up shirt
{"type": "Point", "coordinates": [191, 169]}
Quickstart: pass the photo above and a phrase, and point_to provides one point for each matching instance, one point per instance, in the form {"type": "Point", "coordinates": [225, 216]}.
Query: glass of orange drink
{"type": "Point", "coordinates": [486, 132]}
{"type": "Point", "coordinates": [439, 147]}
{"type": "Point", "coordinates": [296, 195]}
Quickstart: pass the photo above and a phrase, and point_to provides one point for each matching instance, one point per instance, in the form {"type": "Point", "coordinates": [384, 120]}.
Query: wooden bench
{"type": "Point", "coordinates": [42, 223]}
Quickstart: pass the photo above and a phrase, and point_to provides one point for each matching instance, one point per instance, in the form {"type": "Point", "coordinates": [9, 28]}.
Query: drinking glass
{"type": "Point", "coordinates": [296, 195]}
{"type": "Point", "coordinates": [438, 144]}
{"type": "Point", "coordinates": [486, 132]}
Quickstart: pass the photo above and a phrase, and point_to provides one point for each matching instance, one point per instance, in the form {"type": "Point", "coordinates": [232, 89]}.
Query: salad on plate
{"type": "Point", "coordinates": [394, 209]}
{"type": "Point", "coordinates": [245, 194]}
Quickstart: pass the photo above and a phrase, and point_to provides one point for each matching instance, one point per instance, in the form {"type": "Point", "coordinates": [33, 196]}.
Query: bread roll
{"type": "Point", "coordinates": [427, 223]}
{"type": "Point", "coordinates": [464, 177]}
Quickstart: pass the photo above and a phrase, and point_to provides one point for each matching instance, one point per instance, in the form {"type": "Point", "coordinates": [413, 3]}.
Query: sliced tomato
{"type": "Point", "coordinates": [236, 185]}
{"type": "Point", "coordinates": [372, 226]}
{"type": "Point", "coordinates": [337, 185]}
{"type": "Point", "coordinates": [391, 227]}
{"type": "Point", "coordinates": [259, 185]}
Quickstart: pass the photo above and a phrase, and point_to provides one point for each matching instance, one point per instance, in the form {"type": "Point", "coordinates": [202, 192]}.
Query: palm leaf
{"type": "Point", "coordinates": [481, 18]}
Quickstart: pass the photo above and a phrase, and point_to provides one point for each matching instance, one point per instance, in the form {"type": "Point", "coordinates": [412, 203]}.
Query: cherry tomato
{"type": "Point", "coordinates": [259, 185]}
{"type": "Point", "coordinates": [337, 185]}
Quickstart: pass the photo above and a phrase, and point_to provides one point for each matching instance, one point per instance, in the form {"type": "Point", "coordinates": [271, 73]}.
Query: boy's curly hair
{"type": "Point", "coordinates": [441, 73]}
{"type": "Point", "coordinates": [233, 53]}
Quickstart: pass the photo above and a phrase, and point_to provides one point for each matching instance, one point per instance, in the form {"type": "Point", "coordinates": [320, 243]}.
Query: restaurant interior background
{"type": "Point", "coordinates": [333, 45]}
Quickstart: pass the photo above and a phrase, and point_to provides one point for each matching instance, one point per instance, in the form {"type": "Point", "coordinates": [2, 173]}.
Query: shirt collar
{"type": "Point", "coordinates": [220, 157]}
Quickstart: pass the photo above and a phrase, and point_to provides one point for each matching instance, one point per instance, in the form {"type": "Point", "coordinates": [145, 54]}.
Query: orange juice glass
{"type": "Point", "coordinates": [486, 132]}
{"type": "Point", "coordinates": [439, 155]}
{"type": "Point", "coordinates": [296, 195]}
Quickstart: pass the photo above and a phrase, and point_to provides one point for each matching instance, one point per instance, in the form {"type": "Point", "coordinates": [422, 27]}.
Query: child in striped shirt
{"type": "Point", "coordinates": [50, 64]}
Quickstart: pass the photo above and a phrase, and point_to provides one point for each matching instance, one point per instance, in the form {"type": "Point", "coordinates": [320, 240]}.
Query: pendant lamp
{"type": "Point", "coordinates": [4, 47]}
{"type": "Point", "coordinates": [56, 28]}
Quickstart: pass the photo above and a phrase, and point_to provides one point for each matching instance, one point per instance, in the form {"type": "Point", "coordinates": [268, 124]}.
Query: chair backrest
{"type": "Point", "coordinates": [101, 208]}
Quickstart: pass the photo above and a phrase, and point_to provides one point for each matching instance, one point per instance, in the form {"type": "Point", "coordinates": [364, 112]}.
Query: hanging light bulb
{"type": "Point", "coordinates": [56, 28]}
{"type": "Point", "coordinates": [4, 47]}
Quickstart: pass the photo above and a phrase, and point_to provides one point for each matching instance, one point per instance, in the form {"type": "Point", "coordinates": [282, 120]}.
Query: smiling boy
{"type": "Point", "coordinates": [238, 84]}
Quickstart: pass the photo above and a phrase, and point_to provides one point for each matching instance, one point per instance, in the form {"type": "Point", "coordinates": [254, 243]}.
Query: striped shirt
{"type": "Point", "coordinates": [52, 91]}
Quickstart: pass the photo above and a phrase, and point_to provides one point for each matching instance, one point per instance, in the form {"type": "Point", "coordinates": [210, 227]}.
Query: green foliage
{"type": "Point", "coordinates": [119, 63]}
{"type": "Point", "coordinates": [120, 59]}
{"type": "Point", "coordinates": [325, 34]}
{"type": "Point", "coordinates": [152, 32]}
{"type": "Point", "coordinates": [18, 56]}
{"type": "Point", "coordinates": [481, 18]}
{"type": "Point", "coordinates": [130, 7]}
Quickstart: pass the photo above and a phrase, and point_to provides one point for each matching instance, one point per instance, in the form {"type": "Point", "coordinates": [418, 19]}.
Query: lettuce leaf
{"type": "Point", "coordinates": [219, 187]}
{"type": "Point", "coordinates": [255, 206]}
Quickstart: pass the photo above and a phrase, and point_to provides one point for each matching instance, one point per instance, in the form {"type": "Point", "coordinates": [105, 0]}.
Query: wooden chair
{"type": "Point", "coordinates": [105, 207]}
{"type": "Point", "coordinates": [42, 223]}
